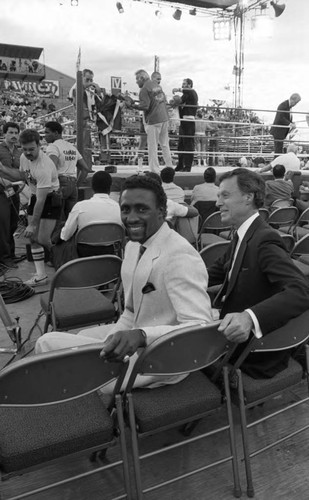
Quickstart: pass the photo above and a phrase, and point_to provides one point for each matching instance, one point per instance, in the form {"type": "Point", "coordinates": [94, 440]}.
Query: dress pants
{"type": "Point", "coordinates": [186, 143]}
{"type": "Point", "coordinates": [158, 134]}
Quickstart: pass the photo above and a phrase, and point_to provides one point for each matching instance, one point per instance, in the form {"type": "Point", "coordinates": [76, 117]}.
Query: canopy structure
{"type": "Point", "coordinates": [206, 4]}
{"type": "Point", "coordinates": [19, 62]}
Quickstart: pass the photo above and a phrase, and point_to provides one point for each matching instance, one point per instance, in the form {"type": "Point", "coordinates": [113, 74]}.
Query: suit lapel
{"type": "Point", "coordinates": [240, 254]}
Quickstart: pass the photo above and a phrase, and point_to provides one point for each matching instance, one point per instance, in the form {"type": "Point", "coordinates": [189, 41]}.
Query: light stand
{"type": "Point", "coordinates": [12, 327]}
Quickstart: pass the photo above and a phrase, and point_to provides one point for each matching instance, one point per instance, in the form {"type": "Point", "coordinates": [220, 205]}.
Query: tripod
{"type": "Point", "coordinates": [12, 327]}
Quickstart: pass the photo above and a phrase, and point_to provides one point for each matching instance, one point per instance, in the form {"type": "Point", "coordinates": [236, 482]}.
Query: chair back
{"type": "Point", "coordinates": [288, 336]}
{"type": "Point", "coordinates": [301, 247]}
{"type": "Point", "coordinates": [100, 238]}
{"type": "Point", "coordinates": [289, 242]}
{"type": "Point", "coordinates": [304, 217]}
{"type": "Point", "coordinates": [213, 252]}
{"type": "Point", "coordinates": [205, 208]}
{"type": "Point", "coordinates": [282, 203]}
{"type": "Point", "coordinates": [214, 224]}
{"type": "Point", "coordinates": [58, 376]}
{"type": "Point", "coordinates": [285, 216]}
{"type": "Point", "coordinates": [181, 351]}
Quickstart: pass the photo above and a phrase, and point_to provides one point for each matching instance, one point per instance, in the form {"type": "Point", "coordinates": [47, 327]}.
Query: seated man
{"type": "Point", "coordinates": [208, 190]}
{"type": "Point", "coordinates": [279, 188]}
{"type": "Point", "coordinates": [262, 289]}
{"type": "Point", "coordinates": [172, 191]}
{"type": "Point", "coordinates": [289, 160]}
{"type": "Point", "coordinates": [161, 293]}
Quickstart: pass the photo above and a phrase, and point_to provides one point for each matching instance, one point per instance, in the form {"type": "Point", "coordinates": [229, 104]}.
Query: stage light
{"type": "Point", "coordinates": [222, 28]}
{"type": "Point", "coordinates": [177, 14]}
{"type": "Point", "coordinates": [192, 12]}
{"type": "Point", "coordinates": [158, 13]}
{"type": "Point", "coordinates": [120, 8]}
{"type": "Point", "coordinates": [74, 3]}
{"type": "Point", "coordinates": [278, 8]}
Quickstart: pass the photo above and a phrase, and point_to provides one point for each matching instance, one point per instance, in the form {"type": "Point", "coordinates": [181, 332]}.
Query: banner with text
{"type": "Point", "coordinates": [47, 88]}
{"type": "Point", "coordinates": [116, 84]}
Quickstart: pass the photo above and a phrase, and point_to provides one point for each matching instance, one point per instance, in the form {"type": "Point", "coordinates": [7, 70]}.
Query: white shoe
{"type": "Point", "coordinates": [36, 280]}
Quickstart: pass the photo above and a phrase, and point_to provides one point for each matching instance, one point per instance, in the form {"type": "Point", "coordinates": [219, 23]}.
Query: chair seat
{"type": "Point", "coordinates": [163, 406]}
{"type": "Point", "coordinates": [80, 307]}
{"type": "Point", "coordinates": [28, 435]}
{"type": "Point", "coordinates": [255, 389]}
{"type": "Point", "coordinates": [225, 235]}
{"type": "Point", "coordinates": [209, 239]}
{"type": "Point", "coordinates": [304, 259]}
{"type": "Point", "coordinates": [302, 231]}
{"type": "Point", "coordinates": [304, 268]}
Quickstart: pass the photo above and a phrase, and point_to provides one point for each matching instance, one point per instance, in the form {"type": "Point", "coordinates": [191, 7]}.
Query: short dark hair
{"type": "Point", "coordinates": [8, 125]}
{"type": "Point", "coordinates": [154, 176]}
{"type": "Point", "coordinates": [87, 71]}
{"type": "Point", "coordinates": [29, 135]}
{"type": "Point", "coordinates": [278, 171]}
{"type": "Point", "coordinates": [101, 182]}
{"type": "Point", "coordinates": [150, 183]}
{"type": "Point", "coordinates": [189, 81]}
{"type": "Point", "coordinates": [167, 174]}
{"type": "Point", "coordinates": [210, 174]}
{"type": "Point", "coordinates": [248, 182]}
{"type": "Point", "coordinates": [54, 127]}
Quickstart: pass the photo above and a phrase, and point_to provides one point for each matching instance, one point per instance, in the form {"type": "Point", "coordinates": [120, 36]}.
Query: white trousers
{"type": "Point", "coordinates": [158, 134]}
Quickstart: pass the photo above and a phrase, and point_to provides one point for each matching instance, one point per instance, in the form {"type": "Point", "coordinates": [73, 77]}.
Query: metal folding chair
{"type": "Point", "coordinates": [210, 229]}
{"type": "Point", "coordinates": [50, 409]}
{"type": "Point", "coordinates": [84, 292]}
{"type": "Point", "coordinates": [100, 238]}
{"type": "Point", "coordinates": [251, 392]}
{"type": "Point", "coordinates": [282, 217]}
{"type": "Point", "coordinates": [186, 350]}
{"type": "Point", "coordinates": [212, 252]}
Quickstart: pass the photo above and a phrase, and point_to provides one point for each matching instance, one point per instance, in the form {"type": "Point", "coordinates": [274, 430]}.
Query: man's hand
{"type": "Point", "coordinates": [236, 327]}
{"type": "Point", "coordinates": [31, 231]}
{"type": "Point", "coordinates": [121, 344]}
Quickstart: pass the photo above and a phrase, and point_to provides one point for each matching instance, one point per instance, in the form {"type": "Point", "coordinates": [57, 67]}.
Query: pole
{"type": "Point", "coordinates": [79, 112]}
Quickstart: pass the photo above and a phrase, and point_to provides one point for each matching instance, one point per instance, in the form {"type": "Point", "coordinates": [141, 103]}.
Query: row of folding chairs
{"type": "Point", "coordinates": [50, 408]}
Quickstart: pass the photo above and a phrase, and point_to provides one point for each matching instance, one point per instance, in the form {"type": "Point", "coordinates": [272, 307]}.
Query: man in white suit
{"type": "Point", "coordinates": [164, 280]}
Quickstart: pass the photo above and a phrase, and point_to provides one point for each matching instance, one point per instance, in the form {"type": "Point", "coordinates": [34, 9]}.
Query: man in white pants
{"type": "Point", "coordinates": [153, 103]}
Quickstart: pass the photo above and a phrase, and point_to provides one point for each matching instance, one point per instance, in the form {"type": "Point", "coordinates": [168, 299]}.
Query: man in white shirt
{"type": "Point", "coordinates": [289, 160]}
{"type": "Point", "coordinates": [69, 163]}
{"type": "Point", "coordinates": [208, 190]}
{"type": "Point", "coordinates": [172, 191]}
{"type": "Point", "coordinates": [99, 208]}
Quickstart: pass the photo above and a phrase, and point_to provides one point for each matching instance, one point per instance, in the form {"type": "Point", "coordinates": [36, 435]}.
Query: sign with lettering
{"type": "Point", "coordinates": [43, 88]}
{"type": "Point", "coordinates": [116, 84]}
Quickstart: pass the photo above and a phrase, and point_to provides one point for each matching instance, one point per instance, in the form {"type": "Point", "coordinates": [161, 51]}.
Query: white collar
{"type": "Point", "coordinates": [241, 231]}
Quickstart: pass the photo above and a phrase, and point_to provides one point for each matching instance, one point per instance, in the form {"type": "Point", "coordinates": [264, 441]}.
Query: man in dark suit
{"type": "Point", "coordinates": [283, 122]}
{"type": "Point", "coordinates": [262, 288]}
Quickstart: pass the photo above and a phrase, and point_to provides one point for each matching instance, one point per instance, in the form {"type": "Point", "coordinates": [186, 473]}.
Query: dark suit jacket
{"type": "Point", "coordinates": [282, 118]}
{"type": "Point", "coordinates": [264, 279]}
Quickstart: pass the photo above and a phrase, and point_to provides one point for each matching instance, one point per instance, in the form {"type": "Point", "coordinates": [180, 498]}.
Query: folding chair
{"type": "Point", "coordinates": [50, 409]}
{"type": "Point", "coordinates": [212, 252]}
{"type": "Point", "coordinates": [251, 392]}
{"type": "Point", "coordinates": [301, 226]}
{"type": "Point", "coordinates": [187, 227]}
{"type": "Point", "coordinates": [301, 250]}
{"type": "Point", "coordinates": [282, 217]}
{"type": "Point", "coordinates": [74, 299]}
{"type": "Point", "coordinates": [155, 410]}
{"type": "Point", "coordinates": [282, 203]}
{"type": "Point", "coordinates": [289, 242]}
{"type": "Point", "coordinates": [100, 238]}
{"type": "Point", "coordinates": [205, 208]}
{"type": "Point", "coordinates": [210, 229]}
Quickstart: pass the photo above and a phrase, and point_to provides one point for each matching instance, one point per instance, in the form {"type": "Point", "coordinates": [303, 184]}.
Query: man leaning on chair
{"type": "Point", "coordinates": [164, 280]}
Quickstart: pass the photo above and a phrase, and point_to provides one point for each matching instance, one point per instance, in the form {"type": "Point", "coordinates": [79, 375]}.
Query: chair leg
{"type": "Point", "coordinates": [135, 451]}
{"type": "Point", "coordinates": [237, 488]}
{"type": "Point", "coordinates": [123, 446]}
{"type": "Point", "coordinates": [244, 433]}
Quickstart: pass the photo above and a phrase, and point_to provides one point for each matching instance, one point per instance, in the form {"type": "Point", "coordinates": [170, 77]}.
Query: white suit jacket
{"type": "Point", "coordinates": [179, 278]}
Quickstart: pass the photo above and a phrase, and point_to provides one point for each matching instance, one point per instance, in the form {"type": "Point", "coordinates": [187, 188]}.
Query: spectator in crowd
{"type": "Point", "coordinates": [172, 191]}
{"type": "Point", "coordinates": [71, 167]}
{"type": "Point", "coordinates": [213, 132]}
{"type": "Point", "coordinates": [99, 208]}
{"type": "Point", "coordinates": [187, 112]}
{"type": "Point", "coordinates": [289, 160]}
{"type": "Point", "coordinates": [153, 103]}
{"type": "Point", "coordinates": [207, 191]}
{"type": "Point", "coordinates": [259, 278]}
{"type": "Point", "coordinates": [9, 198]}
{"type": "Point", "coordinates": [283, 122]}
{"type": "Point", "coordinates": [161, 294]}
{"type": "Point", "coordinates": [40, 173]}
{"type": "Point", "coordinates": [279, 188]}
{"type": "Point", "coordinates": [174, 209]}
{"type": "Point", "coordinates": [200, 137]}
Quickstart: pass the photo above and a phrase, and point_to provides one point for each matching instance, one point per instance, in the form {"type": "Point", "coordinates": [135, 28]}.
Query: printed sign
{"type": "Point", "coordinates": [43, 88]}
{"type": "Point", "coordinates": [116, 84]}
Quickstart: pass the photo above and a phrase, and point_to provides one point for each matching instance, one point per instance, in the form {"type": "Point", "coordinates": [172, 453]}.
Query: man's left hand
{"type": "Point", "coordinates": [236, 326]}
{"type": "Point", "coordinates": [31, 231]}
{"type": "Point", "coordinates": [121, 344]}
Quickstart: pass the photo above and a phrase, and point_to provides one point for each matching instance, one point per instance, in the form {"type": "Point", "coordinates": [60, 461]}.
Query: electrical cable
{"type": "Point", "coordinates": [14, 290]}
